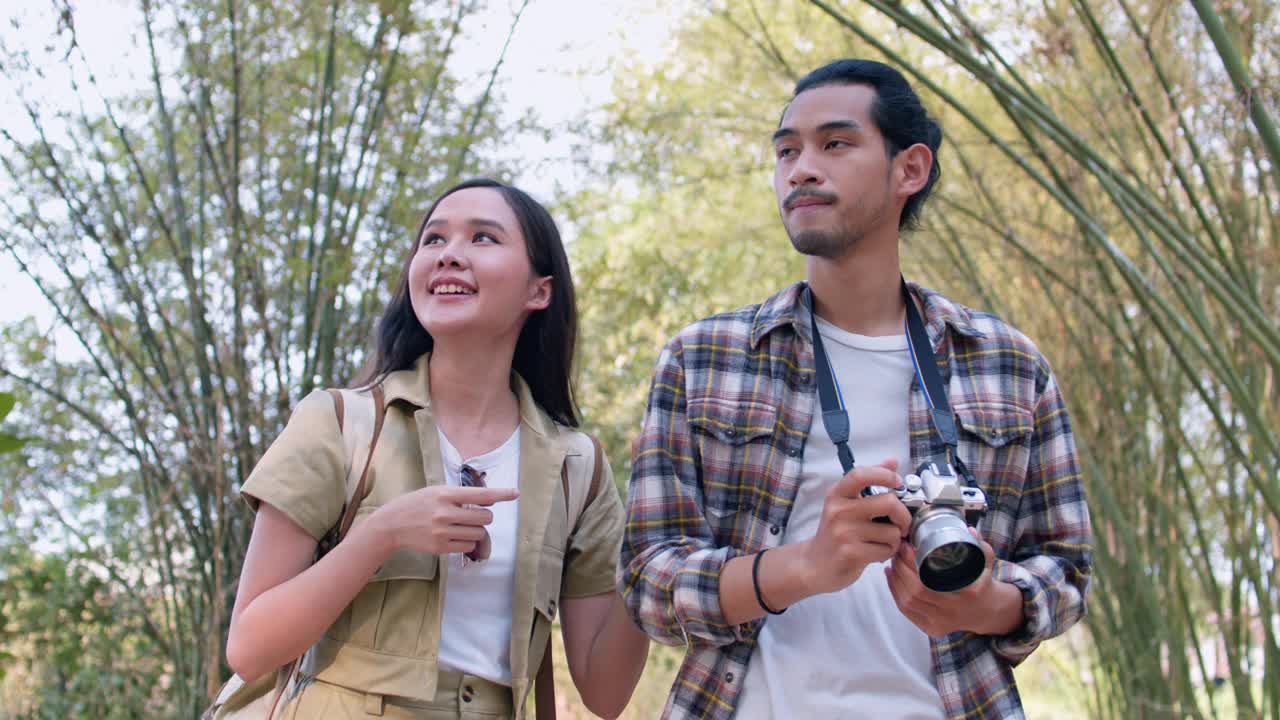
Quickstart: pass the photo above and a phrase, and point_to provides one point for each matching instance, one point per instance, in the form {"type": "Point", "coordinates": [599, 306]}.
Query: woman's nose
{"type": "Point", "coordinates": [450, 257]}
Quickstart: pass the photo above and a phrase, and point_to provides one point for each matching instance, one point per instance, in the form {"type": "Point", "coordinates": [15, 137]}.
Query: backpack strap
{"type": "Point", "coordinates": [286, 674]}
{"type": "Point", "coordinates": [338, 407]}
{"type": "Point", "coordinates": [362, 489]}
{"type": "Point", "coordinates": [595, 472]}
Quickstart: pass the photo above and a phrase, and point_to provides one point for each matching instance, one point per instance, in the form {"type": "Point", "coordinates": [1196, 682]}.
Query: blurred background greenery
{"type": "Point", "coordinates": [188, 254]}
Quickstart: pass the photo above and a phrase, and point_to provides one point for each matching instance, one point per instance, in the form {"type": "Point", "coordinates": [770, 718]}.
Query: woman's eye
{"type": "Point", "coordinates": [484, 237]}
{"type": "Point", "coordinates": [432, 239]}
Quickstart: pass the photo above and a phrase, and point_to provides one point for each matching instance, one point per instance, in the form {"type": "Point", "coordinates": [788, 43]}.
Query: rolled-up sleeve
{"type": "Point", "coordinates": [669, 574]}
{"type": "Point", "coordinates": [1053, 554]}
{"type": "Point", "coordinates": [303, 473]}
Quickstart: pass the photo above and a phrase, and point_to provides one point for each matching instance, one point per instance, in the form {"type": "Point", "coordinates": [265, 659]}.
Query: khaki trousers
{"type": "Point", "coordinates": [458, 697]}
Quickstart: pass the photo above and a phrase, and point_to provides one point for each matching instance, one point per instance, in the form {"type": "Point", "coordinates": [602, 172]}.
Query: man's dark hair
{"type": "Point", "coordinates": [545, 347]}
{"type": "Point", "coordinates": [897, 112]}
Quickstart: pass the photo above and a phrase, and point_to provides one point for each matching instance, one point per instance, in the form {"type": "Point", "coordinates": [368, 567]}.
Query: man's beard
{"type": "Point", "coordinates": [838, 241]}
{"type": "Point", "coordinates": [824, 243]}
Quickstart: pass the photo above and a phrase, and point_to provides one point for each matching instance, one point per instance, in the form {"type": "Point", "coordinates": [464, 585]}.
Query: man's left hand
{"type": "Point", "coordinates": [985, 607]}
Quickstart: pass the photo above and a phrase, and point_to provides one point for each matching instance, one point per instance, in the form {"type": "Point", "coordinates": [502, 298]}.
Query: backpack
{"type": "Point", "coordinates": [258, 700]}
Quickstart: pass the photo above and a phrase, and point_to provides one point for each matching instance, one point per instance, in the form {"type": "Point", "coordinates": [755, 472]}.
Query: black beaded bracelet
{"type": "Point", "coordinates": [755, 582]}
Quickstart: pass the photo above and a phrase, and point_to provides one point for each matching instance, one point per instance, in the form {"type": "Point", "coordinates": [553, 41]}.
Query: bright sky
{"type": "Point", "coordinates": [557, 65]}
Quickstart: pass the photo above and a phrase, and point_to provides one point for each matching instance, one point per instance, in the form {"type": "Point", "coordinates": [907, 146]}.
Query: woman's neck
{"type": "Point", "coordinates": [471, 396]}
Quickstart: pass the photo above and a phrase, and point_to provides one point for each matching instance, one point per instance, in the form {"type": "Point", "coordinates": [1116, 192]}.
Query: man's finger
{"type": "Point", "coordinates": [988, 553]}
{"type": "Point", "coordinates": [904, 566]}
{"type": "Point", "coordinates": [858, 479]}
{"type": "Point", "coordinates": [884, 505]}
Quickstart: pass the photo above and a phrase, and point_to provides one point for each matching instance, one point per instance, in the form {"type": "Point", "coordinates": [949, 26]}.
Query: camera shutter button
{"type": "Point", "coordinates": [913, 482]}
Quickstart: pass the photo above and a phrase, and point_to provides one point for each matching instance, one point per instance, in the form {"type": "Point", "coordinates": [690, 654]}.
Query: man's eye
{"type": "Point", "coordinates": [832, 144]}
{"type": "Point", "coordinates": [786, 152]}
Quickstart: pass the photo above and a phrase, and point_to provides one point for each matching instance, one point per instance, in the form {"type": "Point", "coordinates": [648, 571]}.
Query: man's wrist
{"type": "Point", "coordinates": [1001, 610]}
{"type": "Point", "coordinates": [805, 577]}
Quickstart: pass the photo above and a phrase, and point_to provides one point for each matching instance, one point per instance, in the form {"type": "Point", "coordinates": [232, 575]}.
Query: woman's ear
{"type": "Point", "coordinates": [539, 294]}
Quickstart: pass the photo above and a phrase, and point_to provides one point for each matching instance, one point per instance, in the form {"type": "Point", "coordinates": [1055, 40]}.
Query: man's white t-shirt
{"type": "Point", "coordinates": [475, 635]}
{"type": "Point", "coordinates": [850, 653]}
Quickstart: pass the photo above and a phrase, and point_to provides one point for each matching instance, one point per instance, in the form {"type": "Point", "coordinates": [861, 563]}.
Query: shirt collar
{"type": "Point", "coordinates": [787, 308]}
{"type": "Point", "coordinates": [413, 385]}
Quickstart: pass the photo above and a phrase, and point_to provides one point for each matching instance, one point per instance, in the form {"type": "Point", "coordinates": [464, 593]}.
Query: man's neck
{"type": "Point", "coordinates": [861, 291]}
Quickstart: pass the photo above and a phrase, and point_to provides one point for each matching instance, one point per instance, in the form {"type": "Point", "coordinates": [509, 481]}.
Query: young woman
{"type": "Point", "coordinates": [438, 602]}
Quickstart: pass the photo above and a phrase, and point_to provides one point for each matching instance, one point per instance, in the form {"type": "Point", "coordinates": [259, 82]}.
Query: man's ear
{"type": "Point", "coordinates": [911, 169]}
{"type": "Point", "coordinates": [540, 294]}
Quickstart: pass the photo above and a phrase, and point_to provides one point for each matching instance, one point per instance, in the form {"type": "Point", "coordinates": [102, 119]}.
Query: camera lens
{"type": "Point", "coordinates": [947, 556]}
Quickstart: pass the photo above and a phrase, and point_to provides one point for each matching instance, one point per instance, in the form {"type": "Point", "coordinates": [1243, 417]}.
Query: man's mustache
{"type": "Point", "coordinates": [808, 192]}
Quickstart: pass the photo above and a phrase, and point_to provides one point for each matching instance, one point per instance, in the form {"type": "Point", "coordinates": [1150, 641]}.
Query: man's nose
{"type": "Point", "coordinates": [803, 172]}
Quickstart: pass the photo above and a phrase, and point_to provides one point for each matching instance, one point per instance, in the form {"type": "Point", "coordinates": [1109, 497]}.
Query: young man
{"type": "Point", "coordinates": [739, 508]}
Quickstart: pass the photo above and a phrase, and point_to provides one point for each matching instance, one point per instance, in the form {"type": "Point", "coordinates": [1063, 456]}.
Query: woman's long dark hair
{"type": "Point", "coordinates": [545, 347]}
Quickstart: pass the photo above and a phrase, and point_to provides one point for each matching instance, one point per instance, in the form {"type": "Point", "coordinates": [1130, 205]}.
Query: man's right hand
{"type": "Point", "coordinates": [848, 538]}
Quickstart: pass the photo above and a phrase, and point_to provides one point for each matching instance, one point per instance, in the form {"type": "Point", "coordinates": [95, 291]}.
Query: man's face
{"type": "Point", "coordinates": [832, 174]}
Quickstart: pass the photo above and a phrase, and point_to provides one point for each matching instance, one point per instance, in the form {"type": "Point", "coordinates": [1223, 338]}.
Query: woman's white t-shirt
{"type": "Point", "coordinates": [475, 636]}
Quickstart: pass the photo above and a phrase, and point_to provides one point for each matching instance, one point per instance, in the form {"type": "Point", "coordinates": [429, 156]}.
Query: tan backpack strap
{"type": "Point", "coordinates": [564, 485]}
{"type": "Point", "coordinates": [595, 473]}
{"type": "Point", "coordinates": [379, 414]}
{"type": "Point", "coordinates": [544, 688]}
{"type": "Point", "coordinates": [338, 407]}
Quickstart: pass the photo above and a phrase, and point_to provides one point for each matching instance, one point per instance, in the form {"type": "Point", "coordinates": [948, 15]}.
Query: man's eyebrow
{"type": "Point", "coordinates": [839, 125]}
{"type": "Point", "coordinates": [824, 127]}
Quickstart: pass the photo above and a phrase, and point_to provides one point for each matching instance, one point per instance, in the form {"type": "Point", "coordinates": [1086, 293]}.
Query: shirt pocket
{"type": "Point", "coordinates": [995, 447]}
{"type": "Point", "coordinates": [389, 611]}
{"type": "Point", "coordinates": [735, 443]}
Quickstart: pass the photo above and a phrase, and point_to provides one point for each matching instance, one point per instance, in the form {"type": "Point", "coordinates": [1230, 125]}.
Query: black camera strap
{"type": "Point", "coordinates": [835, 417]}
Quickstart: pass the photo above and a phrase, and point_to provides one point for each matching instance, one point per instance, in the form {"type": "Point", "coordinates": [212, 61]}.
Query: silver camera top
{"type": "Point", "coordinates": [939, 484]}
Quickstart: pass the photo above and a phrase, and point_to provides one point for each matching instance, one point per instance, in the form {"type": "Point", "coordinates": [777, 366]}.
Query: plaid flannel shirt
{"type": "Point", "coordinates": [717, 463]}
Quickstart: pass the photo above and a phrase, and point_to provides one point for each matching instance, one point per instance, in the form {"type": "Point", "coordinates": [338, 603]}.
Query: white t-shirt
{"type": "Point", "coordinates": [850, 653]}
{"type": "Point", "coordinates": [475, 635]}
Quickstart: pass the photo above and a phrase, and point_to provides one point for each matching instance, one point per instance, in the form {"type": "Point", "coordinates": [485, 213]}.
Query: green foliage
{"type": "Point", "coordinates": [8, 441]}
{"type": "Point", "coordinates": [211, 247]}
{"type": "Point", "coordinates": [79, 653]}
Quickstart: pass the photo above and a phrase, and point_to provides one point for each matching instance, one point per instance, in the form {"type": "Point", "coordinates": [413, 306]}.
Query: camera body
{"type": "Point", "coordinates": [942, 510]}
{"type": "Point", "coordinates": [937, 486]}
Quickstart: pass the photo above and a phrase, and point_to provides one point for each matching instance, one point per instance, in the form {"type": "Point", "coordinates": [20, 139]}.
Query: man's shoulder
{"type": "Point", "coordinates": [982, 329]}
{"type": "Point", "coordinates": [992, 341]}
{"type": "Point", "coordinates": [741, 326]}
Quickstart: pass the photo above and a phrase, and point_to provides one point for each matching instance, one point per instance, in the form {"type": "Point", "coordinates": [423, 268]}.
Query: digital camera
{"type": "Point", "coordinates": [948, 558]}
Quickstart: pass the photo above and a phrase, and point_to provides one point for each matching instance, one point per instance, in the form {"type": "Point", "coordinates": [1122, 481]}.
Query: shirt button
{"type": "Point", "coordinates": [731, 432]}
{"type": "Point", "coordinates": [793, 452]}
{"type": "Point", "coordinates": [774, 529]}
{"type": "Point", "coordinates": [728, 677]}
